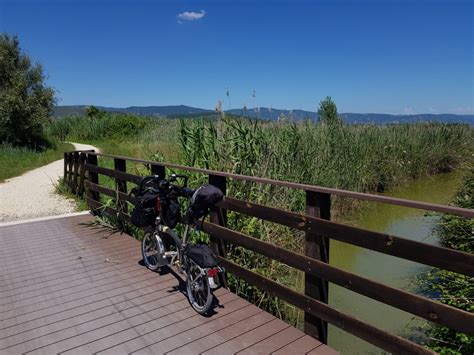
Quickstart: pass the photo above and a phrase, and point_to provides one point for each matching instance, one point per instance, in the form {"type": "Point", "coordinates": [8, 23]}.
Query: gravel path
{"type": "Point", "coordinates": [32, 195]}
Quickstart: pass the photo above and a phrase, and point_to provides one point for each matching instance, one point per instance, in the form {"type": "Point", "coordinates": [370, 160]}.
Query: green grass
{"type": "Point", "coordinates": [16, 161]}
{"type": "Point", "coordinates": [62, 189]}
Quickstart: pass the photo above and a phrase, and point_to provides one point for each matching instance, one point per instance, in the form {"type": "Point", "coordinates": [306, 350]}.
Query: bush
{"type": "Point", "coordinates": [98, 125]}
{"type": "Point", "coordinates": [449, 287]}
{"type": "Point", "coordinates": [25, 102]}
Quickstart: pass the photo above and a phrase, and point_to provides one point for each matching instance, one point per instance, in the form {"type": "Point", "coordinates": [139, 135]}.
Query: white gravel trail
{"type": "Point", "coordinates": [32, 195]}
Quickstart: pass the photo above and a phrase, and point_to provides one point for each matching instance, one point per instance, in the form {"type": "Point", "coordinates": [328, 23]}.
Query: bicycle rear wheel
{"type": "Point", "coordinates": [198, 288]}
{"type": "Point", "coordinates": [152, 251]}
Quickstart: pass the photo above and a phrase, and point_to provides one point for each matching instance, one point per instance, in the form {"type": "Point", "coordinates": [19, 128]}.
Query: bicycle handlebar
{"type": "Point", "coordinates": [167, 186]}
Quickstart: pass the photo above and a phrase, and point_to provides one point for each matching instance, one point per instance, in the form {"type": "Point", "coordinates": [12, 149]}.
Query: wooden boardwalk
{"type": "Point", "coordinates": [66, 287]}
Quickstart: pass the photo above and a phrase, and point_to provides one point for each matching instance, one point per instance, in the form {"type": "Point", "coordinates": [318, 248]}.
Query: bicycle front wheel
{"type": "Point", "coordinates": [198, 288]}
{"type": "Point", "coordinates": [151, 251]}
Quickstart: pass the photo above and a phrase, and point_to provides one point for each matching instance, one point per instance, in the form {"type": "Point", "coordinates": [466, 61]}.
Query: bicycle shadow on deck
{"type": "Point", "coordinates": [181, 287]}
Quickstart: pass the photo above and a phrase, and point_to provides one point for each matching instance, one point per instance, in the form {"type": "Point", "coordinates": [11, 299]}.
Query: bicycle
{"type": "Point", "coordinates": [197, 262]}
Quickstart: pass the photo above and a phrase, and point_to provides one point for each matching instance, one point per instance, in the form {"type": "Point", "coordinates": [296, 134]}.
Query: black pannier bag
{"type": "Point", "coordinates": [203, 199]}
{"type": "Point", "coordinates": [144, 212]}
{"type": "Point", "coordinates": [202, 255]}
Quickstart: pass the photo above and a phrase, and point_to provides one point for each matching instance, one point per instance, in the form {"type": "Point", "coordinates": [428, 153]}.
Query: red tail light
{"type": "Point", "coordinates": [212, 272]}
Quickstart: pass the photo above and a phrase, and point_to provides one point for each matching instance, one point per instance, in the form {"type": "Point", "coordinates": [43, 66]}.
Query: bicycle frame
{"type": "Point", "coordinates": [180, 243]}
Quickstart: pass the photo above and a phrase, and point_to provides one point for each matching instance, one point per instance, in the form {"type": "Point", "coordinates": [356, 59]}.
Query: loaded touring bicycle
{"type": "Point", "coordinates": [158, 206]}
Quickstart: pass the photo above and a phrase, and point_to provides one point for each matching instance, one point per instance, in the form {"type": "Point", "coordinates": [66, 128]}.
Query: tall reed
{"type": "Point", "coordinates": [365, 158]}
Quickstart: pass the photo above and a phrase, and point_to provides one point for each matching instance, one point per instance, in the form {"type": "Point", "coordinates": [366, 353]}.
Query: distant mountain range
{"type": "Point", "coordinates": [267, 114]}
{"type": "Point", "coordinates": [378, 118]}
{"type": "Point", "coordinates": [162, 111]}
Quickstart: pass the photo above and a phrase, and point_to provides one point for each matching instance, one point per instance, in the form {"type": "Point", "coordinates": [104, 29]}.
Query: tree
{"type": "Point", "coordinates": [26, 103]}
{"type": "Point", "coordinates": [327, 112]}
{"type": "Point", "coordinates": [93, 112]}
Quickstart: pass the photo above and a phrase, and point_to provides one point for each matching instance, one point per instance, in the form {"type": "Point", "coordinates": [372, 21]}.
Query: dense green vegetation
{"type": "Point", "coordinates": [448, 287]}
{"type": "Point", "coordinates": [98, 125]}
{"type": "Point", "coordinates": [120, 134]}
{"type": "Point", "coordinates": [355, 157]}
{"type": "Point", "coordinates": [26, 103]}
{"type": "Point", "coordinates": [362, 158]}
{"type": "Point", "coordinates": [15, 161]}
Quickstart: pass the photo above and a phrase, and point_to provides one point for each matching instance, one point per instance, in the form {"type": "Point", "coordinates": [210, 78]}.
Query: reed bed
{"type": "Point", "coordinates": [366, 158]}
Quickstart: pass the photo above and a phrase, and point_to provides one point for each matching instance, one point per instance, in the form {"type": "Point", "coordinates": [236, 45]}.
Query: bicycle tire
{"type": "Point", "coordinates": [150, 251]}
{"type": "Point", "coordinates": [198, 289]}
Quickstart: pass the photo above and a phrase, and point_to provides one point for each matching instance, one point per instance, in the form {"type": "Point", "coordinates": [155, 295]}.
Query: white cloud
{"type": "Point", "coordinates": [191, 16]}
{"type": "Point", "coordinates": [463, 110]}
{"type": "Point", "coordinates": [408, 110]}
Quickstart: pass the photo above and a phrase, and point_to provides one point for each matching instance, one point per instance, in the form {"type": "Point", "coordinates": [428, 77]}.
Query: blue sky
{"type": "Point", "coordinates": [370, 56]}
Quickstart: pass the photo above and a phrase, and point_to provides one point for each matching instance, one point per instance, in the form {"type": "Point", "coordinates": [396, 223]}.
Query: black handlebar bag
{"type": "Point", "coordinates": [203, 199]}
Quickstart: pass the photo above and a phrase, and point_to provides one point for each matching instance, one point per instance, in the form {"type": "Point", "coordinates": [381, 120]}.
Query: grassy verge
{"type": "Point", "coordinates": [16, 161]}
{"type": "Point", "coordinates": [62, 189]}
{"type": "Point", "coordinates": [448, 287]}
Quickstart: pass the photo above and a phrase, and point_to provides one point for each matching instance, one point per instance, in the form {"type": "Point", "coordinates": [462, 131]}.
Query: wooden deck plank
{"type": "Point", "coordinates": [84, 264]}
{"type": "Point", "coordinates": [178, 323]}
{"type": "Point", "coordinates": [57, 278]}
{"type": "Point", "coordinates": [60, 293]}
{"type": "Point", "coordinates": [273, 342]}
{"type": "Point", "coordinates": [302, 345]}
{"type": "Point", "coordinates": [61, 254]}
{"type": "Point", "coordinates": [322, 350]}
{"type": "Point", "coordinates": [247, 335]}
{"type": "Point", "coordinates": [226, 330]}
{"type": "Point", "coordinates": [70, 288]}
{"type": "Point", "coordinates": [88, 312]}
{"type": "Point", "coordinates": [195, 337]}
{"type": "Point", "coordinates": [89, 331]}
{"type": "Point", "coordinates": [72, 301]}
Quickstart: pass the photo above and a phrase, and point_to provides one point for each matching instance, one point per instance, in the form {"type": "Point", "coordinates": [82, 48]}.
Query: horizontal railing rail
{"type": "Point", "coordinates": [81, 173]}
{"type": "Point", "coordinates": [465, 212]}
{"type": "Point", "coordinates": [423, 253]}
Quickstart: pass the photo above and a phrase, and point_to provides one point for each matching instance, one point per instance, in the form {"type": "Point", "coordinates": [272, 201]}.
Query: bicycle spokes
{"type": "Point", "coordinates": [199, 292]}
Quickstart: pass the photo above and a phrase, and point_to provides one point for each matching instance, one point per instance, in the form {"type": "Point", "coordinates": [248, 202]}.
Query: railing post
{"type": "Point", "coordinates": [317, 247]}
{"type": "Point", "coordinates": [70, 161]}
{"type": "Point", "coordinates": [219, 216]}
{"type": "Point", "coordinates": [65, 167]}
{"type": "Point", "coordinates": [82, 173]}
{"type": "Point", "coordinates": [93, 178]}
{"type": "Point", "coordinates": [75, 172]}
{"type": "Point", "coordinates": [120, 185]}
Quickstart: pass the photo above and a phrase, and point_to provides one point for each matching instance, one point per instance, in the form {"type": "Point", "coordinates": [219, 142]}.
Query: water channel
{"type": "Point", "coordinates": [395, 220]}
